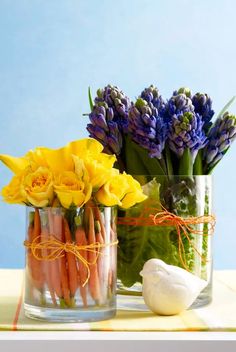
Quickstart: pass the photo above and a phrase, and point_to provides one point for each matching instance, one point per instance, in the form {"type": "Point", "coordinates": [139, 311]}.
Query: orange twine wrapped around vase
{"type": "Point", "coordinates": [58, 249]}
{"type": "Point", "coordinates": [183, 226]}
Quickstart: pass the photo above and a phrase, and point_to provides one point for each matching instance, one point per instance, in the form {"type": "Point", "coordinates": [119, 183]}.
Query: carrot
{"type": "Point", "coordinates": [47, 264]}
{"type": "Point", "coordinates": [58, 232]}
{"type": "Point", "coordinates": [55, 272]}
{"type": "Point", "coordinates": [98, 217]}
{"type": "Point", "coordinates": [35, 264]}
{"type": "Point", "coordinates": [93, 280]}
{"type": "Point", "coordinates": [81, 240]}
{"type": "Point", "coordinates": [71, 261]}
{"type": "Point", "coordinates": [29, 254]}
{"type": "Point", "coordinates": [113, 255]}
{"type": "Point", "coordinates": [102, 263]}
{"type": "Point", "coordinates": [99, 239]}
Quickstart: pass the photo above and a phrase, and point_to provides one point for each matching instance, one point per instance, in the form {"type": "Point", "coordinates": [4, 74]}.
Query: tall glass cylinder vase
{"type": "Point", "coordinates": [189, 247]}
{"type": "Point", "coordinates": [70, 264]}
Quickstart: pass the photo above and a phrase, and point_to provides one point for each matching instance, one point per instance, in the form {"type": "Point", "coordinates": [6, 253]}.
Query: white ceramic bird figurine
{"type": "Point", "coordinates": [168, 289]}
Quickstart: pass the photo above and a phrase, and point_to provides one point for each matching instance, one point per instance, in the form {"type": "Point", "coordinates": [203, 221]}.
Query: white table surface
{"type": "Point", "coordinates": [29, 341]}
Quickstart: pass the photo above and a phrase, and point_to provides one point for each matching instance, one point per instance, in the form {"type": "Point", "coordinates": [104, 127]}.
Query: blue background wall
{"type": "Point", "coordinates": [51, 51]}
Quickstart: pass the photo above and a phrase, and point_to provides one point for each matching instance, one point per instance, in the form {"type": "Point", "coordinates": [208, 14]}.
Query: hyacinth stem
{"type": "Point", "coordinates": [168, 161]}
{"type": "Point", "coordinates": [186, 163]}
{"type": "Point", "coordinates": [163, 165]}
{"type": "Point", "coordinates": [197, 167]}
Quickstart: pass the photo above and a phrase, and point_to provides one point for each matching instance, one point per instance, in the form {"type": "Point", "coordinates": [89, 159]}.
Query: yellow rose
{"type": "Point", "coordinates": [71, 189]}
{"type": "Point", "coordinates": [122, 190]}
{"type": "Point", "coordinates": [99, 169]}
{"type": "Point", "coordinates": [12, 192]}
{"type": "Point", "coordinates": [37, 186]}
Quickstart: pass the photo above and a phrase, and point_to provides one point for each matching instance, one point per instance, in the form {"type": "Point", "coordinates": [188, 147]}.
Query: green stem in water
{"type": "Point", "coordinates": [62, 303]}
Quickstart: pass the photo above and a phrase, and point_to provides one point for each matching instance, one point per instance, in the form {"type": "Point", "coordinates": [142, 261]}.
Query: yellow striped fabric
{"type": "Point", "coordinates": [220, 315]}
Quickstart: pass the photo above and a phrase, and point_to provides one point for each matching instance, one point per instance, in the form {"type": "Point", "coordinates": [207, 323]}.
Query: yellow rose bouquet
{"type": "Point", "coordinates": [71, 194]}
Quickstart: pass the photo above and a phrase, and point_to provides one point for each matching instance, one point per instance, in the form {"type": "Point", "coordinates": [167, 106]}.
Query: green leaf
{"type": "Point", "coordinates": [152, 165]}
{"type": "Point", "coordinates": [91, 102]}
{"type": "Point", "coordinates": [134, 164]}
{"type": "Point", "coordinates": [225, 108]}
{"type": "Point", "coordinates": [137, 244]}
{"type": "Point", "coordinates": [197, 167]}
{"type": "Point", "coordinates": [186, 163]}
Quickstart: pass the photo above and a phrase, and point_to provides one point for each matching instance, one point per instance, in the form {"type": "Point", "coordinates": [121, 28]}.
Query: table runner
{"type": "Point", "coordinates": [220, 315]}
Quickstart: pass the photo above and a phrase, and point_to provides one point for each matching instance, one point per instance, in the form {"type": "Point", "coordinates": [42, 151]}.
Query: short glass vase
{"type": "Point", "coordinates": [186, 244]}
{"type": "Point", "coordinates": [70, 271]}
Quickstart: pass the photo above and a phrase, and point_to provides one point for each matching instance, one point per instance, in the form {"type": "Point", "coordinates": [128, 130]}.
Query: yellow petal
{"type": "Point", "coordinates": [11, 193]}
{"type": "Point", "coordinates": [16, 165]}
{"type": "Point", "coordinates": [132, 198]}
{"type": "Point", "coordinates": [105, 197]}
{"type": "Point", "coordinates": [36, 156]}
{"type": "Point", "coordinates": [68, 198]}
{"type": "Point", "coordinates": [61, 159]}
{"type": "Point", "coordinates": [80, 168]}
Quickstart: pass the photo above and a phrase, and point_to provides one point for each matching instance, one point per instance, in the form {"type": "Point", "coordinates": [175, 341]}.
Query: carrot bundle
{"type": "Point", "coordinates": [56, 266]}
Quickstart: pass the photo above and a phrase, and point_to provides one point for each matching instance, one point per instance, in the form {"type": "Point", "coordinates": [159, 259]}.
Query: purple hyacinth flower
{"type": "Point", "coordinates": [221, 136]}
{"type": "Point", "coordinates": [104, 129]}
{"type": "Point", "coordinates": [147, 128]}
{"type": "Point", "coordinates": [118, 102]}
{"type": "Point", "coordinates": [153, 98]}
{"type": "Point", "coordinates": [185, 131]}
{"type": "Point", "coordinates": [178, 104]}
{"type": "Point", "coordinates": [203, 106]}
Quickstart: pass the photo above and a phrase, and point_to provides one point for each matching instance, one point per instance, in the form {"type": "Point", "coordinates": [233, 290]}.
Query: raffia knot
{"type": "Point", "coordinates": [52, 249]}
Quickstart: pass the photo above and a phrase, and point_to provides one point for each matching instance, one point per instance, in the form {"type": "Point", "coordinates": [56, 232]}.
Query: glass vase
{"type": "Point", "coordinates": [187, 247]}
{"type": "Point", "coordinates": [70, 271]}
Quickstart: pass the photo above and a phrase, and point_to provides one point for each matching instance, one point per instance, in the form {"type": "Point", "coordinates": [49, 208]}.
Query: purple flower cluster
{"type": "Point", "coordinates": [154, 99]}
{"type": "Point", "coordinates": [109, 118]}
{"type": "Point", "coordinates": [221, 136]}
{"type": "Point", "coordinates": [147, 127]}
{"type": "Point", "coordinates": [179, 103]}
{"type": "Point", "coordinates": [118, 101]}
{"type": "Point", "coordinates": [185, 131]}
{"type": "Point", "coordinates": [203, 106]}
{"type": "Point", "coordinates": [185, 125]}
{"type": "Point", "coordinates": [104, 128]}
{"type": "Point", "coordinates": [183, 121]}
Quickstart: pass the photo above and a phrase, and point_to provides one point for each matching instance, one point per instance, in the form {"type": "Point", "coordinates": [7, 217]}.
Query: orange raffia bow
{"type": "Point", "coordinates": [184, 226]}
{"type": "Point", "coordinates": [57, 250]}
